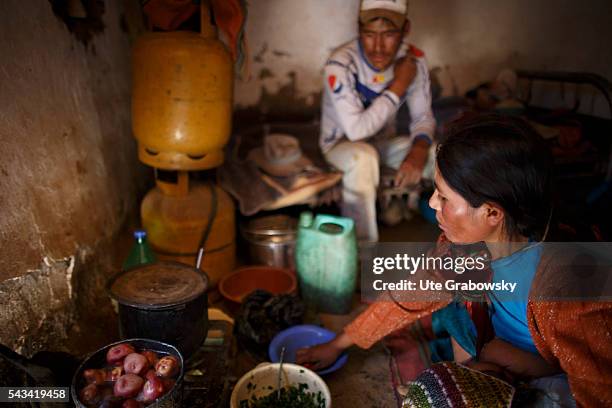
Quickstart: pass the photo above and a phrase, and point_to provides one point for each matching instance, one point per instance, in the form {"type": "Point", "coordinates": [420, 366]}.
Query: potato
{"type": "Point", "coordinates": [118, 352]}
{"type": "Point", "coordinates": [151, 356]}
{"type": "Point", "coordinates": [113, 374]}
{"type": "Point", "coordinates": [128, 385]}
{"type": "Point", "coordinates": [135, 363]}
{"type": "Point", "coordinates": [94, 376]}
{"type": "Point", "coordinates": [131, 403]}
{"type": "Point", "coordinates": [167, 366]}
{"type": "Point", "coordinates": [150, 374]}
{"type": "Point", "coordinates": [89, 394]}
{"type": "Point", "coordinates": [152, 389]}
{"type": "Point", "coordinates": [109, 400]}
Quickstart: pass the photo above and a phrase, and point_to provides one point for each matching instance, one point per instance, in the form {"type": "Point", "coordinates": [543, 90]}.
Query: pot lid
{"type": "Point", "coordinates": [272, 225]}
{"type": "Point", "coordinates": [157, 285]}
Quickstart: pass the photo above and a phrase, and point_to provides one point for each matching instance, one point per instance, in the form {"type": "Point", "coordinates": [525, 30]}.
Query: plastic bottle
{"type": "Point", "coordinates": [141, 253]}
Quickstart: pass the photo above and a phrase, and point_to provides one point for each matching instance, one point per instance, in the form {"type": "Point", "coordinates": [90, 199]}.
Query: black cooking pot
{"type": "Point", "coordinates": [172, 399]}
{"type": "Point", "coordinates": [165, 301]}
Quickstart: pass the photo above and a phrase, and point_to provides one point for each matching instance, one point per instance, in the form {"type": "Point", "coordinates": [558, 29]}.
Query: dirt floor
{"type": "Point", "coordinates": [363, 382]}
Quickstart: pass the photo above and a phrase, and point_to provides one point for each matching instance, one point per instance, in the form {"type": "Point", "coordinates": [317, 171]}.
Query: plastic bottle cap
{"type": "Point", "coordinates": [306, 219]}
{"type": "Point", "coordinates": [139, 234]}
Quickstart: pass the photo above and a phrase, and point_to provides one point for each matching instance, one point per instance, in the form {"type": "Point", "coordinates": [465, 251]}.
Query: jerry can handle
{"type": "Point", "coordinates": [340, 226]}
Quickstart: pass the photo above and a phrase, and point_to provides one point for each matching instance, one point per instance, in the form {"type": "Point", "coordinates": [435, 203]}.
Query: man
{"type": "Point", "coordinates": [366, 81]}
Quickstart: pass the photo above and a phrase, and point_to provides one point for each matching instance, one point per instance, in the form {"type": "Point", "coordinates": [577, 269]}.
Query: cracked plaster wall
{"type": "Point", "coordinates": [69, 174]}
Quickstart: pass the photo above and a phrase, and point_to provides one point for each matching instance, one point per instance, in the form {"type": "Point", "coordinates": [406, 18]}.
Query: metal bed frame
{"type": "Point", "coordinates": [579, 78]}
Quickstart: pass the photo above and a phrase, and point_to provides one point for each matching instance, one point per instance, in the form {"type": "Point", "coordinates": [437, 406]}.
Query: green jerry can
{"type": "Point", "coordinates": [326, 262]}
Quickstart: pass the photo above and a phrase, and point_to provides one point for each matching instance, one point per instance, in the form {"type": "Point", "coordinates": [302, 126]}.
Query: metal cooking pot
{"type": "Point", "coordinates": [97, 359]}
{"type": "Point", "coordinates": [165, 301]}
{"type": "Point", "coordinates": [271, 240]}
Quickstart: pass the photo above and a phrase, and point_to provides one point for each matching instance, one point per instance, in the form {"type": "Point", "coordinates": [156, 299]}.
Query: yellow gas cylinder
{"type": "Point", "coordinates": [182, 98]}
{"type": "Point", "coordinates": [176, 217]}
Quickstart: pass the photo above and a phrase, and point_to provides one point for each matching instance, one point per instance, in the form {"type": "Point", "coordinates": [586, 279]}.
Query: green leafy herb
{"type": "Point", "coordinates": [289, 397]}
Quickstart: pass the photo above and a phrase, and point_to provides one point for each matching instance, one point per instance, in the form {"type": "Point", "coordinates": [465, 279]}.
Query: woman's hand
{"type": "Point", "coordinates": [323, 355]}
{"type": "Point", "coordinates": [491, 369]}
{"type": "Point", "coordinates": [518, 362]}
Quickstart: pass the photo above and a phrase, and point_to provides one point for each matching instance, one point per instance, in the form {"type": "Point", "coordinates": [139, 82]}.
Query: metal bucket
{"type": "Point", "coordinates": [97, 359]}
{"type": "Point", "coordinates": [271, 240]}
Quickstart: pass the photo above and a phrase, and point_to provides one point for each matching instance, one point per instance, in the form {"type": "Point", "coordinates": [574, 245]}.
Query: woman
{"type": "Point", "coordinates": [493, 185]}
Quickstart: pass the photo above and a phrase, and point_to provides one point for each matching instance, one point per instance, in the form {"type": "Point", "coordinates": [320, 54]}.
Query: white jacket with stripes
{"type": "Point", "coordinates": [357, 105]}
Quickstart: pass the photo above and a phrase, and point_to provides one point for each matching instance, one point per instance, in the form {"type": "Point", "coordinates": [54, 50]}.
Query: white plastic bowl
{"type": "Point", "coordinates": [265, 376]}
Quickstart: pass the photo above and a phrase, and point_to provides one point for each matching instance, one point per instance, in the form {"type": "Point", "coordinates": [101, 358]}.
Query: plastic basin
{"type": "Point", "coordinates": [237, 285]}
{"type": "Point", "coordinates": [297, 337]}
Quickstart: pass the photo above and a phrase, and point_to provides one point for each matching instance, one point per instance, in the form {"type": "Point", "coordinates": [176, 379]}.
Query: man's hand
{"type": "Point", "coordinates": [411, 170]}
{"type": "Point", "coordinates": [404, 71]}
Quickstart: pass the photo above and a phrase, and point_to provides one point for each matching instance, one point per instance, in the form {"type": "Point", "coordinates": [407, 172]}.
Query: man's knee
{"type": "Point", "coordinates": [359, 162]}
{"type": "Point", "coordinates": [362, 171]}
{"type": "Point", "coordinates": [347, 154]}
{"type": "Point", "coordinates": [363, 157]}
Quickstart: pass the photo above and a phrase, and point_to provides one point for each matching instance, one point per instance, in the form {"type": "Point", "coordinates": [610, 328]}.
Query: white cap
{"type": "Point", "coordinates": [393, 10]}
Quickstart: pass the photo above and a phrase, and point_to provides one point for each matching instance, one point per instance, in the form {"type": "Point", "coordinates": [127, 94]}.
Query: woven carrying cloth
{"type": "Point", "coordinates": [452, 385]}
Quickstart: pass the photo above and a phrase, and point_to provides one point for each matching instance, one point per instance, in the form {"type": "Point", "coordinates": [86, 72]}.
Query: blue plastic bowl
{"type": "Point", "coordinates": [297, 337]}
